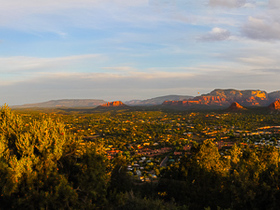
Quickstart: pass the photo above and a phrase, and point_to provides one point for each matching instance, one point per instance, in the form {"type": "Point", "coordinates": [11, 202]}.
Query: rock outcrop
{"type": "Point", "coordinates": [275, 105]}
{"type": "Point", "coordinates": [224, 98]}
{"type": "Point", "coordinates": [245, 97]}
{"type": "Point", "coordinates": [236, 106]}
{"type": "Point", "coordinates": [211, 100]}
{"type": "Point", "coordinates": [113, 104]}
{"type": "Point", "coordinates": [200, 100]}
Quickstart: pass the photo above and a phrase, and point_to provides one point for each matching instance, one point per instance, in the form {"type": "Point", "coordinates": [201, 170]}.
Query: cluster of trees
{"type": "Point", "coordinates": [244, 178]}
{"type": "Point", "coordinates": [42, 166]}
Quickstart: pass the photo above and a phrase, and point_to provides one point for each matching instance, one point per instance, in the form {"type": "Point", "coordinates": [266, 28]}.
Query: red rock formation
{"type": "Point", "coordinates": [200, 100]}
{"type": "Point", "coordinates": [246, 97]}
{"type": "Point", "coordinates": [113, 104]}
{"type": "Point", "coordinates": [221, 97]}
{"type": "Point", "coordinates": [275, 105]}
{"type": "Point", "coordinates": [168, 103]}
{"type": "Point", "coordinates": [180, 103]}
{"type": "Point", "coordinates": [235, 106]}
{"type": "Point", "coordinates": [211, 100]}
{"type": "Point", "coordinates": [191, 102]}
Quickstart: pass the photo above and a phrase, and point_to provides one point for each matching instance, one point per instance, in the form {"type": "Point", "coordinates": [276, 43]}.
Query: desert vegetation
{"type": "Point", "coordinates": [121, 159]}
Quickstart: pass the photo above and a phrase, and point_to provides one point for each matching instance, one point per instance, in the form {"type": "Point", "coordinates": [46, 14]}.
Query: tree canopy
{"type": "Point", "coordinates": [43, 166]}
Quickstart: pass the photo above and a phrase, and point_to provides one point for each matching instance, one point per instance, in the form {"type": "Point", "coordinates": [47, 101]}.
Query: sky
{"type": "Point", "coordinates": [124, 49]}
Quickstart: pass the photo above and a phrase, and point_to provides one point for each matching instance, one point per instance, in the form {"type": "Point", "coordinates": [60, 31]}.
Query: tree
{"type": "Point", "coordinates": [35, 161]}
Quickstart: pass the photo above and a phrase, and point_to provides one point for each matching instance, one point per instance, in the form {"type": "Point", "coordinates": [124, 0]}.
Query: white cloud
{"type": "Point", "coordinates": [274, 4]}
{"type": "Point", "coordinates": [26, 64]}
{"type": "Point", "coordinates": [53, 15]}
{"type": "Point", "coordinates": [253, 54]}
{"type": "Point", "coordinates": [257, 60]}
{"type": "Point", "coordinates": [249, 5]}
{"type": "Point", "coordinates": [227, 3]}
{"type": "Point", "coordinates": [262, 28]}
{"type": "Point", "coordinates": [216, 34]}
{"type": "Point", "coordinates": [36, 6]}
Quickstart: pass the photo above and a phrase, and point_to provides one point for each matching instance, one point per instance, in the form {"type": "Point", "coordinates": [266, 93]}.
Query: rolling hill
{"type": "Point", "coordinates": [65, 103]}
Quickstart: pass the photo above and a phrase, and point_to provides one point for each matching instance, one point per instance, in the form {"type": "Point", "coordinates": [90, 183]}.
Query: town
{"type": "Point", "coordinates": [119, 159]}
{"type": "Point", "coordinates": [154, 141]}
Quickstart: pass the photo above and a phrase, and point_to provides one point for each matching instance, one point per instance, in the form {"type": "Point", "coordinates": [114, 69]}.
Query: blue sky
{"type": "Point", "coordinates": [123, 49]}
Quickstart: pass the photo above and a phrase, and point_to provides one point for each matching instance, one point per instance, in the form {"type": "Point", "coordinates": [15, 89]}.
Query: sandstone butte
{"type": "Point", "coordinates": [275, 105]}
{"type": "Point", "coordinates": [235, 106]}
{"type": "Point", "coordinates": [220, 97]}
{"type": "Point", "coordinates": [113, 104]}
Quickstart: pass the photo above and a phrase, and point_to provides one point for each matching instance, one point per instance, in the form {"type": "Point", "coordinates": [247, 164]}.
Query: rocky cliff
{"type": "Point", "coordinates": [275, 105]}
{"type": "Point", "coordinates": [113, 104]}
{"type": "Point", "coordinates": [225, 97]}
{"type": "Point", "coordinates": [236, 106]}
{"type": "Point", "coordinates": [200, 100]}
{"type": "Point", "coordinates": [244, 97]}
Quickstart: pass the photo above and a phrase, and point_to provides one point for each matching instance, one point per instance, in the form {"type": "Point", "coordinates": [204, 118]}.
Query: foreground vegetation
{"type": "Point", "coordinates": [139, 160]}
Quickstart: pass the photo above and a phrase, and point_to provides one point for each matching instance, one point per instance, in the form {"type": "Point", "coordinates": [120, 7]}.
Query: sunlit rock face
{"type": "Point", "coordinates": [211, 100]}
{"type": "Point", "coordinates": [235, 106]}
{"type": "Point", "coordinates": [244, 97]}
{"type": "Point", "coordinates": [220, 97]}
{"type": "Point", "coordinates": [113, 104]}
{"type": "Point", "coordinates": [275, 105]}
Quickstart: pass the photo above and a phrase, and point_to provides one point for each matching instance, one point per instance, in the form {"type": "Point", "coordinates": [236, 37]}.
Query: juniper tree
{"type": "Point", "coordinates": [43, 166]}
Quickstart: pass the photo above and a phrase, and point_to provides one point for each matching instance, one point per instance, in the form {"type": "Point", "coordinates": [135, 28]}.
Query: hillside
{"type": "Point", "coordinates": [225, 97]}
{"type": "Point", "coordinates": [71, 103]}
{"type": "Point", "coordinates": [158, 100]}
{"type": "Point", "coordinates": [273, 96]}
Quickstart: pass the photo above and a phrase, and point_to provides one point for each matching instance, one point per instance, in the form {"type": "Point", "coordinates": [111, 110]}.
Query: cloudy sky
{"type": "Point", "coordinates": [124, 49]}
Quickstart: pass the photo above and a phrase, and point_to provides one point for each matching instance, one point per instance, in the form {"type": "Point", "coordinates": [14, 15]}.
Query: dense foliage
{"type": "Point", "coordinates": [246, 178]}
{"type": "Point", "coordinates": [139, 160]}
{"type": "Point", "coordinates": [42, 166]}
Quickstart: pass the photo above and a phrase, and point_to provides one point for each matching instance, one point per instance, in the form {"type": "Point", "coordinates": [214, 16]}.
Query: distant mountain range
{"type": "Point", "coordinates": [218, 98]}
{"type": "Point", "coordinates": [225, 97]}
{"type": "Point", "coordinates": [157, 100]}
{"type": "Point", "coordinates": [82, 103]}
{"type": "Point", "coordinates": [71, 103]}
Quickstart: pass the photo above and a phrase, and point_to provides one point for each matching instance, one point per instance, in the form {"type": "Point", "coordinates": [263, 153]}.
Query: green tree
{"type": "Point", "coordinates": [35, 161]}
